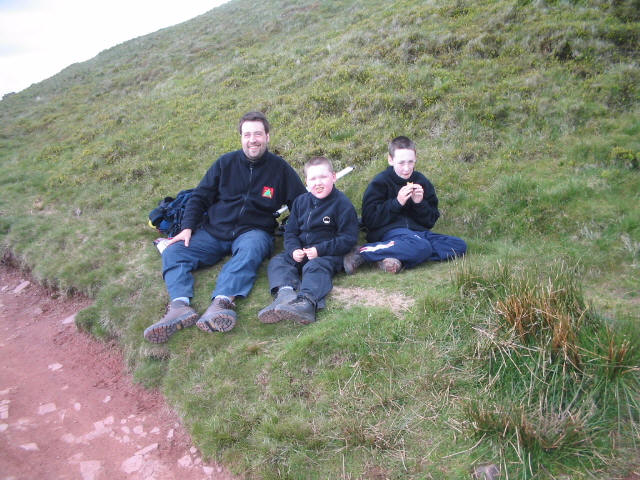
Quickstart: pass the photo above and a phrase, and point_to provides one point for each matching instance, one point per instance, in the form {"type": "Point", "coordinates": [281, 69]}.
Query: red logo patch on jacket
{"type": "Point", "coordinates": [267, 192]}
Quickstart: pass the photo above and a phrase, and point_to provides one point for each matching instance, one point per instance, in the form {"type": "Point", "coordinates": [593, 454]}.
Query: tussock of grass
{"type": "Point", "coordinates": [555, 374]}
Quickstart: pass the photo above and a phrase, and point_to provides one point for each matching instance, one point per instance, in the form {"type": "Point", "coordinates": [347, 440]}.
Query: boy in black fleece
{"type": "Point", "coordinates": [399, 208]}
{"type": "Point", "coordinates": [321, 229]}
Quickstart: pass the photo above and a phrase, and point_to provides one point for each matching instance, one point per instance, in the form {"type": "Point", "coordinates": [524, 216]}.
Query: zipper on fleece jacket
{"type": "Point", "coordinates": [314, 202]}
{"type": "Point", "coordinates": [244, 201]}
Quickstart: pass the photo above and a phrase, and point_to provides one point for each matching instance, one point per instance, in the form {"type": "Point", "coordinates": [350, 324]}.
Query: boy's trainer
{"type": "Point", "coordinates": [179, 315]}
{"type": "Point", "coordinates": [219, 317]}
{"type": "Point", "coordinates": [268, 314]}
{"type": "Point", "coordinates": [300, 310]}
{"type": "Point", "coordinates": [352, 260]}
{"type": "Point", "coordinates": [390, 265]}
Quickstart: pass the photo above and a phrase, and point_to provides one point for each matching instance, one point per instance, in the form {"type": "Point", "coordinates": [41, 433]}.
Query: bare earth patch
{"type": "Point", "coordinates": [68, 409]}
{"type": "Point", "coordinates": [371, 297]}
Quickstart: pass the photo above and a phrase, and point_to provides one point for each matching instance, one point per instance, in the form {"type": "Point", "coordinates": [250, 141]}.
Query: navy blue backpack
{"type": "Point", "coordinates": [167, 216]}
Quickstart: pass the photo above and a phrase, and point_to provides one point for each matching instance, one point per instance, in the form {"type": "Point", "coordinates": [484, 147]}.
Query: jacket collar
{"type": "Point", "coordinates": [256, 163]}
{"type": "Point", "coordinates": [399, 180]}
{"type": "Point", "coordinates": [317, 201]}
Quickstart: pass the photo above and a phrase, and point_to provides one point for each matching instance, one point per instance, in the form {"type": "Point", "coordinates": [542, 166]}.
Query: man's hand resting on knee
{"type": "Point", "coordinates": [184, 235]}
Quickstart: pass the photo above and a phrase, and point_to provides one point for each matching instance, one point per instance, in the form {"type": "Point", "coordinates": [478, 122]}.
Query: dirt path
{"type": "Point", "coordinates": [67, 408]}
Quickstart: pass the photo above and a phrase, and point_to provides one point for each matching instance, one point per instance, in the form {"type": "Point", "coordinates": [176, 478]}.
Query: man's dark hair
{"type": "Point", "coordinates": [254, 117]}
{"type": "Point", "coordinates": [401, 143]}
{"type": "Point", "coordinates": [318, 161]}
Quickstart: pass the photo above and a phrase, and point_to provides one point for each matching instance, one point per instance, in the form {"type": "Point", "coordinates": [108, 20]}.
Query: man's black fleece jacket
{"type": "Point", "coordinates": [240, 195]}
{"type": "Point", "coordinates": [330, 224]}
{"type": "Point", "coordinates": [382, 212]}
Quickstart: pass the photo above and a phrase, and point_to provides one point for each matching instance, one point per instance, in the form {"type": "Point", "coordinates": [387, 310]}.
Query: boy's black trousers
{"type": "Point", "coordinates": [311, 278]}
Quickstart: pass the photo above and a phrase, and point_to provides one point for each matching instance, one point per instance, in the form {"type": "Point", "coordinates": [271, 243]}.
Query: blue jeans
{"type": "Point", "coordinates": [413, 248]}
{"type": "Point", "coordinates": [237, 276]}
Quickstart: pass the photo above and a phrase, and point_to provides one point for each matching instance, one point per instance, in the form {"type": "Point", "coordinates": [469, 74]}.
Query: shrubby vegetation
{"type": "Point", "coordinates": [526, 114]}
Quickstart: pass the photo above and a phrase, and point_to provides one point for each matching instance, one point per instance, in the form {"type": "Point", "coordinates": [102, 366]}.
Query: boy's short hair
{"type": "Point", "coordinates": [401, 143]}
{"type": "Point", "coordinates": [318, 161]}
{"type": "Point", "coordinates": [254, 117]}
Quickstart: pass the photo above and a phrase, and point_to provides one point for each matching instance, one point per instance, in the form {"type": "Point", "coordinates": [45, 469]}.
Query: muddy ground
{"type": "Point", "coordinates": [69, 410]}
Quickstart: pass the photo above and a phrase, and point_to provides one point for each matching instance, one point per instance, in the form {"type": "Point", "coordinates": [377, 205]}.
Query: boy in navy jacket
{"type": "Point", "coordinates": [399, 208]}
{"type": "Point", "coordinates": [321, 229]}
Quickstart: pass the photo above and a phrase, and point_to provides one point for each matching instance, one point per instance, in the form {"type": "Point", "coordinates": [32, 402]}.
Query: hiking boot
{"type": "Point", "coordinates": [352, 260]}
{"type": "Point", "coordinates": [219, 317]}
{"type": "Point", "coordinates": [390, 265]}
{"type": "Point", "coordinates": [268, 314]}
{"type": "Point", "coordinates": [300, 310]}
{"type": "Point", "coordinates": [179, 315]}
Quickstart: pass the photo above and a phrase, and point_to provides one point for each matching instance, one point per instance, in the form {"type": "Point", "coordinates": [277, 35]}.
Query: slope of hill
{"type": "Point", "coordinates": [526, 115]}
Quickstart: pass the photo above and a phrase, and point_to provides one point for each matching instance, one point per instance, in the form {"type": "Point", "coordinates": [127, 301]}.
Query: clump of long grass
{"type": "Point", "coordinates": [558, 377]}
{"type": "Point", "coordinates": [549, 313]}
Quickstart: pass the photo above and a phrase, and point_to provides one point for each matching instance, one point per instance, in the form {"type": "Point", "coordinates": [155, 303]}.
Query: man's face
{"type": "Point", "coordinates": [254, 139]}
{"type": "Point", "coordinates": [320, 180]}
{"type": "Point", "coordinates": [403, 162]}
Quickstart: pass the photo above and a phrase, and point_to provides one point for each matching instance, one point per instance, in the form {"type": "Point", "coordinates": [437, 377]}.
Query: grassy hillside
{"type": "Point", "coordinates": [527, 118]}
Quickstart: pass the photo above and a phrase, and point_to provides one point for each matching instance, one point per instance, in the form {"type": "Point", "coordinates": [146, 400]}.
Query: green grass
{"type": "Point", "coordinates": [526, 115]}
{"type": "Point", "coordinates": [557, 374]}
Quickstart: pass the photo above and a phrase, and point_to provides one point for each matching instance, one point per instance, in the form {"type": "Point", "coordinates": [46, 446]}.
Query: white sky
{"type": "Point", "coordinates": [39, 38]}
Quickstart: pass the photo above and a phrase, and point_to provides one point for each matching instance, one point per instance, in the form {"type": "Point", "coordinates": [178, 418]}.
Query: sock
{"type": "Point", "coordinates": [182, 299]}
{"type": "Point", "coordinates": [222, 296]}
{"type": "Point", "coordinates": [284, 287]}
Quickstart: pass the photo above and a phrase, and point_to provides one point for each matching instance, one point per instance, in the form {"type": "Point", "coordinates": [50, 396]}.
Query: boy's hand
{"type": "Point", "coordinates": [298, 255]}
{"type": "Point", "coordinates": [405, 193]}
{"type": "Point", "coordinates": [417, 195]}
{"type": "Point", "coordinates": [311, 253]}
